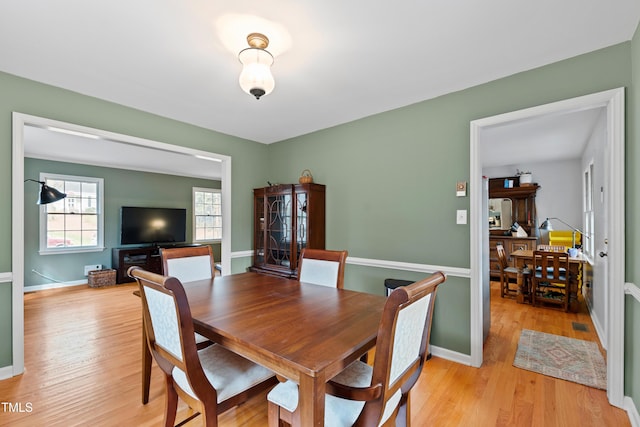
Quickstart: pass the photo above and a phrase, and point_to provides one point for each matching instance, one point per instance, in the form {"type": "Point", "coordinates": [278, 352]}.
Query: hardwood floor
{"type": "Point", "coordinates": [82, 354]}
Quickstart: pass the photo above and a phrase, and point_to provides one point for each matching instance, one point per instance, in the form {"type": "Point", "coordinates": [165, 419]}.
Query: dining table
{"type": "Point", "coordinates": [304, 332]}
{"type": "Point", "coordinates": [524, 258]}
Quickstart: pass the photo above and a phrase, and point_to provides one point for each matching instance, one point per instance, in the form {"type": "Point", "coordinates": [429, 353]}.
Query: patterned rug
{"type": "Point", "coordinates": [561, 357]}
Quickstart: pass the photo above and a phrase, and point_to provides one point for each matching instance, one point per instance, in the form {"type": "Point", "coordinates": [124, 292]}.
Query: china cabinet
{"type": "Point", "coordinates": [287, 218]}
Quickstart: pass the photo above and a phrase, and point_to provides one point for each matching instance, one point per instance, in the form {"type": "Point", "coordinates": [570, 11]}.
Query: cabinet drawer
{"type": "Point", "coordinates": [524, 245]}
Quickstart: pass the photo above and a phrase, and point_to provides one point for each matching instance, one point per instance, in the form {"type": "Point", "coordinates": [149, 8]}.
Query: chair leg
{"type": "Point", "coordinates": [171, 403]}
{"type": "Point", "coordinates": [146, 366]}
{"type": "Point", "coordinates": [273, 413]}
{"type": "Point", "coordinates": [402, 417]}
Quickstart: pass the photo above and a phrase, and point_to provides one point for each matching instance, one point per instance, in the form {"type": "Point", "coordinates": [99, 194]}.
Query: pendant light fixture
{"type": "Point", "coordinates": [256, 78]}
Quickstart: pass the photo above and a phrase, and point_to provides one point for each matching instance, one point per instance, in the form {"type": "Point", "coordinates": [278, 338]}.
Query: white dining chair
{"type": "Point", "coordinates": [362, 395]}
{"type": "Point", "coordinates": [322, 267]}
{"type": "Point", "coordinates": [211, 380]}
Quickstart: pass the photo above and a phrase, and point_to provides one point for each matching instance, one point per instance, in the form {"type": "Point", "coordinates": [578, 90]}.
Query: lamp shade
{"type": "Point", "coordinates": [256, 78]}
{"type": "Point", "coordinates": [546, 225]}
{"type": "Point", "coordinates": [49, 195]}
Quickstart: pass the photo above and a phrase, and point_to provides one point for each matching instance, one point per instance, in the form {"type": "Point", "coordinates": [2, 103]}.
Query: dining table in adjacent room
{"type": "Point", "coordinates": [524, 257]}
{"type": "Point", "coordinates": [304, 332]}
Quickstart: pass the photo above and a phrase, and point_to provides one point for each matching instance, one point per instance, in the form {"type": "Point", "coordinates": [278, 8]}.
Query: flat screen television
{"type": "Point", "coordinates": [140, 225]}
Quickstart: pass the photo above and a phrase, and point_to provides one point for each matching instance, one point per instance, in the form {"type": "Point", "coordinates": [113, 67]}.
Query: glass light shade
{"type": "Point", "coordinates": [256, 78]}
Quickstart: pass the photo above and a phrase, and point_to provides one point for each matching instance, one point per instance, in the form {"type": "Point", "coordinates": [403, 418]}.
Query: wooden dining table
{"type": "Point", "coordinates": [524, 258]}
{"type": "Point", "coordinates": [306, 333]}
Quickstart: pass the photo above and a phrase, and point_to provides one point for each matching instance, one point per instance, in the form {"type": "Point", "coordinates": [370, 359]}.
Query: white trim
{"type": "Point", "coordinates": [613, 101]}
{"type": "Point", "coordinates": [46, 286]}
{"type": "Point", "coordinates": [409, 266]}
{"type": "Point", "coordinates": [453, 356]}
{"type": "Point", "coordinates": [242, 254]}
{"type": "Point", "coordinates": [19, 120]}
{"type": "Point", "coordinates": [6, 277]}
{"type": "Point", "coordinates": [633, 290]}
{"type": "Point", "coordinates": [392, 265]}
{"type": "Point", "coordinates": [632, 411]}
{"type": "Point", "coordinates": [6, 372]}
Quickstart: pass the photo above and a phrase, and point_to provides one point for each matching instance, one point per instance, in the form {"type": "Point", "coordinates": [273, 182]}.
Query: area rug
{"type": "Point", "coordinates": [561, 357]}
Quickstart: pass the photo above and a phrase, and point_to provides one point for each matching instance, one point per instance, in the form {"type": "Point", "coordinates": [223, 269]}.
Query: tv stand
{"type": "Point", "coordinates": [146, 257]}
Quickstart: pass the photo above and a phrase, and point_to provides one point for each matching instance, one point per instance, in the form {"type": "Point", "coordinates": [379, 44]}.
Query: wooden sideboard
{"type": "Point", "coordinates": [510, 244]}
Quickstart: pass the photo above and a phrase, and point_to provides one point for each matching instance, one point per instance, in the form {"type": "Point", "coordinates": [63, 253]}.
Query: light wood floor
{"type": "Point", "coordinates": [82, 354]}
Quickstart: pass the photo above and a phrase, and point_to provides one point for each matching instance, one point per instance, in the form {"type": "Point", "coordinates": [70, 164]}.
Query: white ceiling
{"type": "Point", "coordinates": [334, 61]}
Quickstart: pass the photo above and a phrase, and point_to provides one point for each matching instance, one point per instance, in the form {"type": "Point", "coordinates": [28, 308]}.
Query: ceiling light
{"type": "Point", "coordinates": [256, 78]}
{"type": "Point", "coordinates": [73, 132]}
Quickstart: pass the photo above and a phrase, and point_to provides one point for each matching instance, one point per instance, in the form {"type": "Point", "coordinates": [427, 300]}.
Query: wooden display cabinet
{"type": "Point", "coordinates": [287, 218]}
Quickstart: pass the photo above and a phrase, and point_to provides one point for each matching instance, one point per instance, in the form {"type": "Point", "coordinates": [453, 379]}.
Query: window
{"type": "Point", "coordinates": [75, 223]}
{"type": "Point", "coordinates": [207, 214]}
{"type": "Point", "coordinates": [589, 218]}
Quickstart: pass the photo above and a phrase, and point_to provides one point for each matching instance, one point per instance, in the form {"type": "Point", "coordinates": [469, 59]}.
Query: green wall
{"type": "Point", "coordinates": [121, 188]}
{"type": "Point", "coordinates": [632, 318]}
{"type": "Point", "coordinates": [391, 177]}
{"type": "Point", "coordinates": [249, 168]}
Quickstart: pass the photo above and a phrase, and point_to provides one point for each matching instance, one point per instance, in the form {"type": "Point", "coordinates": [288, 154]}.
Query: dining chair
{"type": "Point", "coordinates": [364, 395]}
{"type": "Point", "coordinates": [211, 380]}
{"type": "Point", "coordinates": [551, 279]}
{"type": "Point", "coordinates": [507, 273]}
{"type": "Point", "coordinates": [188, 263]}
{"type": "Point", "coordinates": [322, 267]}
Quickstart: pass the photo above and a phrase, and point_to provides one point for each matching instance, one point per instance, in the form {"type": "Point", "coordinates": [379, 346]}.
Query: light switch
{"type": "Point", "coordinates": [461, 216]}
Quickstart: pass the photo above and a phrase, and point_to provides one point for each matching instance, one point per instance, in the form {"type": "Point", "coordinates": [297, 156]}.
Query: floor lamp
{"type": "Point", "coordinates": [546, 225]}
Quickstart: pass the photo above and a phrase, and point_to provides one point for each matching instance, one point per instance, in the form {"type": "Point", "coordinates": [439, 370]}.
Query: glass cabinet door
{"type": "Point", "coordinates": [301, 223]}
{"type": "Point", "coordinates": [278, 232]}
{"type": "Point", "coordinates": [259, 231]}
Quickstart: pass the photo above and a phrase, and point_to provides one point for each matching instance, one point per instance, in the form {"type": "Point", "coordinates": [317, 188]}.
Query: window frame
{"type": "Point", "coordinates": [194, 216]}
{"type": "Point", "coordinates": [99, 246]}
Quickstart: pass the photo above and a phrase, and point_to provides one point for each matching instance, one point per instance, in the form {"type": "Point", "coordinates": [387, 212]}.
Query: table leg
{"type": "Point", "coordinates": [146, 366]}
{"type": "Point", "coordinates": [311, 401]}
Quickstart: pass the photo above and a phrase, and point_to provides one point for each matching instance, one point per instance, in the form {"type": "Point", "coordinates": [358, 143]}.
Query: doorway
{"type": "Point", "coordinates": [102, 137]}
{"type": "Point", "coordinates": [613, 102]}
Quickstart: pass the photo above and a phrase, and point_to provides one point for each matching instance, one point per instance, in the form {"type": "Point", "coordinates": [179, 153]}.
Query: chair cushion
{"type": "Point", "coordinates": [337, 411]}
{"type": "Point", "coordinates": [228, 373]}
{"type": "Point", "coordinates": [516, 270]}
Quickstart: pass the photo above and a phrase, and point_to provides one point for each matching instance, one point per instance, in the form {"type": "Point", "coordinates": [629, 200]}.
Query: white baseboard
{"type": "Point", "coordinates": [54, 286]}
{"type": "Point", "coordinates": [453, 356]}
{"type": "Point", "coordinates": [6, 372]}
{"type": "Point", "coordinates": [632, 411]}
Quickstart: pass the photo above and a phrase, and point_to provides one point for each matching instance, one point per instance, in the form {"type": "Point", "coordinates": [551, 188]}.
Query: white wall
{"type": "Point", "coordinates": [560, 193]}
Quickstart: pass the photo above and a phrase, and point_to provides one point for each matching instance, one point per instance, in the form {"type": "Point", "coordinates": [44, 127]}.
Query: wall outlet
{"type": "Point", "coordinates": [88, 268]}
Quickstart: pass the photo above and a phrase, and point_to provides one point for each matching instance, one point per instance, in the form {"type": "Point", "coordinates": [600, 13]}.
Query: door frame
{"type": "Point", "coordinates": [19, 120]}
{"type": "Point", "coordinates": [613, 102]}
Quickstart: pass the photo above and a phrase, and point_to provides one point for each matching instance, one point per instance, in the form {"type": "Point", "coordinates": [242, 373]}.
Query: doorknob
{"type": "Point", "coordinates": [603, 254]}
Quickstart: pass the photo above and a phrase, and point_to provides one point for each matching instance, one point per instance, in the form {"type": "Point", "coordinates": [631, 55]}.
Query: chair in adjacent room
{"type": "Point", "coordinates": [507, 273]}
{"type": "Point", "coordinates": [211, 380]}
{"type": "Point", "coordinates": [550, 281]}
{"type": "Point", "coordinates": [322, 267]}
{"type": "Point", "coordinates": [363, 395]}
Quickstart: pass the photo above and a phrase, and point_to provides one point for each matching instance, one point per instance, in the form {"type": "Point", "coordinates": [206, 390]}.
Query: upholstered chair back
{"type": "Point", "coordinates": [188, 264]}
{"type": "Point", "coordinates": [322, 267]}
